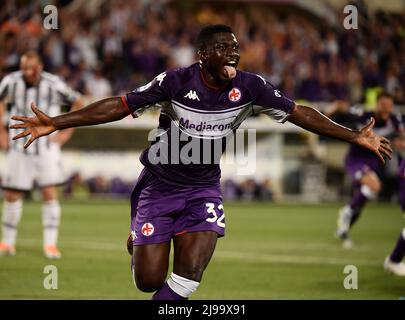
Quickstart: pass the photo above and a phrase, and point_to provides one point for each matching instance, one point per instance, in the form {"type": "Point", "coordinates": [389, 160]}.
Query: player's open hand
{"type": "Point", "coordinates": [35, 127]}
{"type": "Point", "coordinates": [379, 145]}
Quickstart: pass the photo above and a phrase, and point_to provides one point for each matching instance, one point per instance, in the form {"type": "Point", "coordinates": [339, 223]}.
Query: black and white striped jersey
{"type": "Point", "coordinates": [50, 95]}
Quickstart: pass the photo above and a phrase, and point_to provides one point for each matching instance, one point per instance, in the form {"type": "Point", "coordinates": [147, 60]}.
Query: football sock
{"type": "Point", "coordinates": [399, 251]}
{"type": "Point", "coordinates": [359, 199]}
{"type": "Point", "coordinates": [50, 221]}
{"type": "Point", "coordinates": [12, 212]}
{"type": "Point", "coordinates": [176, 288]}
{"type": "Point", "coordinates": [133, 270]}
{"type": "Point", "coordinates": [166, 293]}
{"type": "Point", "coordinates": [344, 221]}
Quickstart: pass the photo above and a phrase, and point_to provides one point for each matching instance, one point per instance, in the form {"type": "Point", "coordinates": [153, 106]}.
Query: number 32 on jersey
{"type": "Point", "coordinates": [215, 218]}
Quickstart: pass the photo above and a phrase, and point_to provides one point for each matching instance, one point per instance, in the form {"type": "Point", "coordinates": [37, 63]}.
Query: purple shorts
{"type": "Point", "coordinates": [360, 163]}
{"type": "Point", "coordinates": [160, 211]}
{"type": "Point", "coordinates": [357, 170]}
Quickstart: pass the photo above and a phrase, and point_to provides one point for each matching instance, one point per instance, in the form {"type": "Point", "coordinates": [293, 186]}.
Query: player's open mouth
{"type": "Point", "coordinates": [230, 69]}
{"type": "Point", "coordinates": [232, 63]}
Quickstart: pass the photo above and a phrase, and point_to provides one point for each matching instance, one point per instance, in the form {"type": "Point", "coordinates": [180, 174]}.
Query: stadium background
{"type": "Point", "coordinates": [275, 242]}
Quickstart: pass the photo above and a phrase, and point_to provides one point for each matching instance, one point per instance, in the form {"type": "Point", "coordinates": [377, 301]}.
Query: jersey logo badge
{"type": "Point", "coordinates": [234, 95]}
{"type": "Point", "coordinates": [192, 95]}
{"type": "Point", "coordinates": [147, 229]}
{"type": "Point", "coordinates": [277, 93]}
{"type": "Point", "coordinates": [160, 78]}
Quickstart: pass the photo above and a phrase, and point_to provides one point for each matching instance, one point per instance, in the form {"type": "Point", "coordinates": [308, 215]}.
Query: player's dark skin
{"type": "Point", "coordinates": [192, 251]}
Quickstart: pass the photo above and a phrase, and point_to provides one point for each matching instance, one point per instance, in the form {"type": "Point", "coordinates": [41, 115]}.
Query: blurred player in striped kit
{"type": "Point", "coordinates": [41, 166]}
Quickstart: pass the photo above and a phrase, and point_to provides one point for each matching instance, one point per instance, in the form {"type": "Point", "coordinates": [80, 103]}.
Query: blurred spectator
{"type": "Point", "coordinates": [249, 190]}
{"type": "Point", "coordinates": [98, 185]}
{"type": "Point", "coordinates": [183, 53]}
{"type": "Point", "coordinates": [97, 85]}
{"type": "Point", "coordinates": [230, 190]}
{"type": "Point", "coordinates": [266, 190]}
{"type": "Point", "coordinates": [74, 182]}
{"type": "Point", "coordinates": [119, 188]}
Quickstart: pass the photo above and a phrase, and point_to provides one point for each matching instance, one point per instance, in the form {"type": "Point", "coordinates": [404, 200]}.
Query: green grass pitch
{"type": "Point", "coordinates": [270, 251]}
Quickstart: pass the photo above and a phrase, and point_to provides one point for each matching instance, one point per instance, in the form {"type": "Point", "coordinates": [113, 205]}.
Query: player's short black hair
{"type": "Point", "coordinates": [384, 94]}
{"type": "Point", "coordinates": [207, 32]}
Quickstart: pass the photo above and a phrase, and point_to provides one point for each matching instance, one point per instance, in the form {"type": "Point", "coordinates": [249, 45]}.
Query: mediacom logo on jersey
{"type": "Point", "coordinates": [203, 126]}
{"type": "Point", "coordinates": [175, 146]}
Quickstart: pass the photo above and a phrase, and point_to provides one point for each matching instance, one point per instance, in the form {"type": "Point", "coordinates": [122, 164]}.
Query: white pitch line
{"type": "Point", "coordinates": [233, 255]}
{"type": "Point", "coordinates": [289, 259]}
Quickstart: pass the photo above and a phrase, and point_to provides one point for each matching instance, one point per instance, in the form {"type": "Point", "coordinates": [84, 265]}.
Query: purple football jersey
{"type": "Point", "coordinates": [358, 155]}
{"type": "Point", "coordinates": [202, 112]}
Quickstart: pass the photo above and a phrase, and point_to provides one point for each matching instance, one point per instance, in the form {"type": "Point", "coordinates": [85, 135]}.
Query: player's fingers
{"type": "Point", "coordinates": [18, 126]}
{"type": "Point", "coordinates": [20, 118]}
{"type": "Point", "coordinates": [34, 107]}
{"type": "Point", "coordinates": [386, 152]}
{"type": "Point", "coordinates": [21, 135]}
{"type": "Point", "coordinates": [386, 147]}
{"type": "Point", "coordinates": [31, 140]}
{"type": "Point", "coordinates": [37, 112]}
{"type": "Point", "coordinates": [385, 140]}
{"type": "Point", "coordinates": [370, 124]}
{"type": "Point", "coordinates": [381, 157]}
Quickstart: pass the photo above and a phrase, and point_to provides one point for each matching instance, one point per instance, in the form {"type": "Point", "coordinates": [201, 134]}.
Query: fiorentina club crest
{"type": "Point", "coordinates": [234, 95]}
{"type": "Point", "coordinates": [147, 229]}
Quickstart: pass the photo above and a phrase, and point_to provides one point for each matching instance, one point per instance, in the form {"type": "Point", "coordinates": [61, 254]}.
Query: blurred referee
{"type": "Point", "coordinates": [40, 166]}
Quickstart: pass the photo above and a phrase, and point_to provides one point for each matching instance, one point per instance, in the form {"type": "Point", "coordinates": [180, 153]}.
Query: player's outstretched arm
{"type": "Point", "coordinates": [314, 121]}
{"type": "Point", "coordinates": [106, 110]}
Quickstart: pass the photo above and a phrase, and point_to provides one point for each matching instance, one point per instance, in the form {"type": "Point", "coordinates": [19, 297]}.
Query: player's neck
{"type": "Point", "coordinates": [210, 81]}
{"type": "Point", "coordinates": [33, 83]}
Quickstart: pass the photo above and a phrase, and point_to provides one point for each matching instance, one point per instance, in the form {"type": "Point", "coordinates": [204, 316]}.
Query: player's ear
{"type": "Point", "coordinates": [202, 53]}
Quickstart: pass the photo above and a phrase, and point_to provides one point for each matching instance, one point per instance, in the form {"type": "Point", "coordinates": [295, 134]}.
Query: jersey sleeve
{"type": "Point", "coordinates": [269, 100]}
{"type": "Point", "coordinates": [148, 96]}
{"type": "Point", "coordinates": [4, 87]}
{"type": "Point", "coordinates": [67, 94]}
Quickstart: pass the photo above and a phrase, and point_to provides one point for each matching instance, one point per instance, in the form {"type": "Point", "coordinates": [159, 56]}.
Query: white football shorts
{"type": "Point", "coordinates": [24, 171]}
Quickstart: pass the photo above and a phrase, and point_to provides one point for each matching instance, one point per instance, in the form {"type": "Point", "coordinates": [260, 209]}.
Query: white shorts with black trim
{"type": "Point", "coordinates": [23, 171]}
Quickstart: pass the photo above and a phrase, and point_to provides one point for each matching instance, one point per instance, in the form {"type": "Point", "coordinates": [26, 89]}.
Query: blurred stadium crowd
{"type": "Point", "coordinates": [109, 47]}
